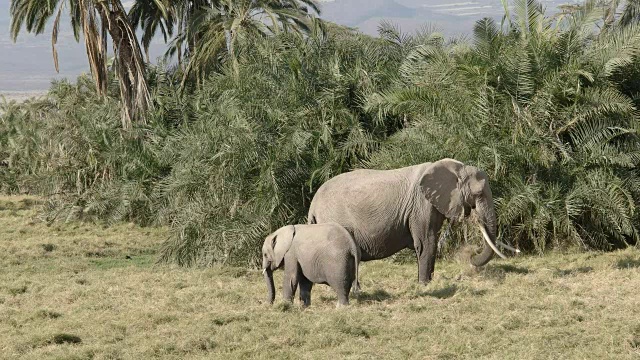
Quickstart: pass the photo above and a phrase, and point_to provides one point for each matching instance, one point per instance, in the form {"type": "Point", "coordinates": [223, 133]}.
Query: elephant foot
{"type": "Point", "coordinates": [305, 302]}
{"type": "Point", "coordinates": [356, 289]}
{"type": "Point", "coordinates": [425, 277]}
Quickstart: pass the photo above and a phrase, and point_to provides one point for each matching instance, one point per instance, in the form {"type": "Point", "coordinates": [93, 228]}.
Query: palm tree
{"type": "Point", "coordinates": [209, 29]}
{"type": "Point", "coordinates": [151, 16]}
{"type": "Point", "coordinates": [93, 19]}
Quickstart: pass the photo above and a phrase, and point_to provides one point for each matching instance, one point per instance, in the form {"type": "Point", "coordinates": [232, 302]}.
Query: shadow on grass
{"type": "Point", "coordinates": [511, 269]}
{"type": "Point", "coordinates": [64, 338]}
{"type": "Point", "coordinates": [628, 263]}
{"type": "Point", "coordinates": [377, 295]}
{"type": "Point", "coordinates": [499, 272]}
{"type": "Point", "coordinates": [24, 204]}
{"type": "Point", "coordinates": [569, 272]}
{"type": "Point", "coordinates": [442, 293]}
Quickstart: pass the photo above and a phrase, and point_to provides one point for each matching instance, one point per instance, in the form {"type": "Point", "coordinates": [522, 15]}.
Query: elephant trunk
{"type": "Point", "coordinates": [268, 277]}
{"type": "Point", "coordinates": [488, 227]}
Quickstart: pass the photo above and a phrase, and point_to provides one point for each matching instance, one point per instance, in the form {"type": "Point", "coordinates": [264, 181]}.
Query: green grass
{"type": "Point", "coordinates": [81, 291]}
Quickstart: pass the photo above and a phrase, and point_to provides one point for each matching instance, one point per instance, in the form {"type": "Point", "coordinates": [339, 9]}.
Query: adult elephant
{"type": "Point", "coordinates": [390, 210]}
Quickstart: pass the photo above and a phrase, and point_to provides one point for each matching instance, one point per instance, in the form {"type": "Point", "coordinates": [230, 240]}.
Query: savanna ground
{"type": "Point", "coordinates": [86, 291]}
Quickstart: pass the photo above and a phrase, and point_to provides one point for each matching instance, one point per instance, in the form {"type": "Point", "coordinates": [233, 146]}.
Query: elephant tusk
{"type": "Point", "coordinates": [264, 271]}
{"type": "Point", "coordinates": [491, 244]}
{"type": "Point", "coordinates": [500, 243]}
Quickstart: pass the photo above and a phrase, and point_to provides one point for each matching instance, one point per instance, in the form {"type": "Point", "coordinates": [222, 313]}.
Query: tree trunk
{"type": "Point", "coordinates": [95, 45]}
{"type": "Point", "coordinates": [129, 64]}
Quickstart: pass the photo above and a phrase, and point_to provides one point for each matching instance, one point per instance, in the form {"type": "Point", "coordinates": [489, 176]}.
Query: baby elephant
{"type": "Point", "coordinates": [319, 253]}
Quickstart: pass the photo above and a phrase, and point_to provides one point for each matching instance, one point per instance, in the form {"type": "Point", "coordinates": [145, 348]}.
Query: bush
{"type": "Point", "coordinates": [544, 110]}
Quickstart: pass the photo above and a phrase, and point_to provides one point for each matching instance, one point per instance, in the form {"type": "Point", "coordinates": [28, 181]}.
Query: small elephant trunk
{"type": "Point", "coordinates": [268, 277]}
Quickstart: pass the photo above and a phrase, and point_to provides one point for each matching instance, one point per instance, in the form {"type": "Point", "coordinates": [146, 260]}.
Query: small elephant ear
{"type": "Point", "coordinates": [281, 243]}
{"type": "Point", "coordinates": [440, 185]}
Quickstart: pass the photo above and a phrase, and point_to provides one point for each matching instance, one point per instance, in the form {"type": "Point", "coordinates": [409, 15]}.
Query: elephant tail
{"type": "Point", "coordinates": [312, 219]}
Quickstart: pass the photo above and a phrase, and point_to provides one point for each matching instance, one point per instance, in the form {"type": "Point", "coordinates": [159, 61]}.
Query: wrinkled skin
{"type": "Point", "coordinates": [321, 254]}
{"type": "Point", "coordinates": [390, 210]}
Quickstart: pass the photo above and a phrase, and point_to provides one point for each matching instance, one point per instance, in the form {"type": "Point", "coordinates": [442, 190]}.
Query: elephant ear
{"type": "Point", "coordinates": [441, 186]}
{"type": "Point", "coordinates": [281, 243]}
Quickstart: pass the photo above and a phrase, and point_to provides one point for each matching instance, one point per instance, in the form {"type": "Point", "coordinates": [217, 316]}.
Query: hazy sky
{"type": "Point", "coordinates": [27, 65]}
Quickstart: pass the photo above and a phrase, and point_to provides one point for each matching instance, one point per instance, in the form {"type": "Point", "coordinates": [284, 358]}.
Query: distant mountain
{"type": "Point", "coordinates": [352, 12]}
{"type": "Point", "coordinates": [409, 15]}
{"type": "Point", "coordinates": [452, 17]}
{"type": "Point", "coordinates": [27, 65]}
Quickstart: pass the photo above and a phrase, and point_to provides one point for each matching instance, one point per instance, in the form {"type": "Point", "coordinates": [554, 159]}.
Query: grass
{"type": "Point", "coordinates": [81, 291]}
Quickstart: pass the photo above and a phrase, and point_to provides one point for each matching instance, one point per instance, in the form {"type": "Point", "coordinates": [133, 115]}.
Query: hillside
{"type": "Point", "coordinates": [83, 291]}
{"type": "Point", "coordinates": [451, 17]}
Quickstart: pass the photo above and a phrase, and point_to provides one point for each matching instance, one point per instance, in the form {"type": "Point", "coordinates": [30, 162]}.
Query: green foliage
{"type": "Point", "coordinates": [540, 110]}
{"type": "Point", "coordinates": [259, 146]}
{"type": "Point", "coordinates": [70, 146]}
{"type": "Point", "coordinates": [547, 108]}
{"type": "Point", "coordinates": [223, 165]}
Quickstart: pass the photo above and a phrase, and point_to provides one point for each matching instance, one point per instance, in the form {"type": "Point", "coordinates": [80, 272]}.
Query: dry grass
{"type": "Point", "coordinates": [83, 291]}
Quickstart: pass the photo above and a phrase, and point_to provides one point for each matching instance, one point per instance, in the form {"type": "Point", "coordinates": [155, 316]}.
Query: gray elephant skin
{"type": "Point", "coordinates": [390, 210]}
{"type": "Point", "coordinates": [321, 254]}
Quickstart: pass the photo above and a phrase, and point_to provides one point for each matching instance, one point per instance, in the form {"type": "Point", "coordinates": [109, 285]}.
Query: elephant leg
{"type": "Point", "coordinates": [425, 239]}
{"type": "Point", "coordinates": [342, 290]}
{"type": "Point", "coordinates": [305, 290]}
{"type": "Point", "coordinates": [356, 287]}
{"type": "Point", "coordinates": [290, 280]}
{"type": "Point", "coordinates": [427, 260]}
